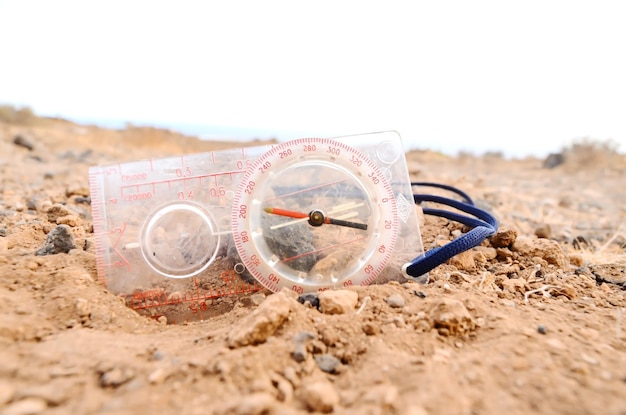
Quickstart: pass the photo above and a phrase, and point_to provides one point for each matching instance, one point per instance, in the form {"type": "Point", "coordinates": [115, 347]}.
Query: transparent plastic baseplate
{"type": "Point", "coordinates": [163, 228]}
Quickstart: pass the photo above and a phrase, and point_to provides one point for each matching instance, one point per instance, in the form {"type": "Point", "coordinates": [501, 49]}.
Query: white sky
{"type": "Point", "coordinates": [521, 77]}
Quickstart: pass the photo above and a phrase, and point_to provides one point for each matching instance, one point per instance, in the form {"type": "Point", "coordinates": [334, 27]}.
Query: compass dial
{"type": "Point", "coordinates": [313, 214]}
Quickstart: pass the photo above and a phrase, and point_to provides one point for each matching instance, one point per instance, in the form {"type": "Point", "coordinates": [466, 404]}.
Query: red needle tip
{"type": "Point", "coordinates": [284, 212]}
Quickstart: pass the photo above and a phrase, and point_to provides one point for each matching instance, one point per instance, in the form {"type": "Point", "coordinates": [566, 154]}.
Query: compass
{"type": "Point", "coordinates": [313, 214]}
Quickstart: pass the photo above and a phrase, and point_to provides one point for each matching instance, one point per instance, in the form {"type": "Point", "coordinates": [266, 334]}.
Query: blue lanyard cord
{"type": "Point", "coordinates": [483, 225]}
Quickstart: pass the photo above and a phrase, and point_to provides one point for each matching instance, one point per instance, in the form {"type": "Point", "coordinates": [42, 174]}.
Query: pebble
{"type": "Point", "coordinates": [21, 141]}
{"type": "Point", "coordinates": [77, 189]}
{"type": "Point", "coordinates": [116, 377]}
{"type": "Point", "coordinates": [541, 329]}
{"type": "Point", "coordinates": [464, 261]}
{"type": "Point", "coordinates": [544, 231]}
{"type": "Point", "coordinates": [395, 301]}
{"type": "Point", "coordinates": [82, 307]}
{"type": "Point", "coordinates": [57, 211]}
{"type": "Point", "coordinates": [546, 249]}
{"type": "Point", "coordinates": [451, 317]}
{"type": "Point", "coordinates": [158, 376]}
{"type": "Point", "coordinates": [69, 220]}
{"type": "Point", "coordinates": [310, 298]}
{"type": "Point", "coordinates": [28, 406]}
{"type": "Point", "coordinates": [370, 328]}
{"type": "Point", "coordinates": [320, 396]}
{"type": "Point", "coordinates": [337, 301]}
{"type": "Point", "coordinates": [488, 252]}
{"type": "Point", "coordinates": [257, 298]}
{"type": "Point", "coordinates": [300, 353]}
{"type": "Point", "coordinates": [327, 363]}
{"type": "Point", "coordinates": [59, 240]}
{"type": "Point", "coordinates": [262, 323]}
{"type": "Point", "coordinates": [3, 232]}
{"type": "Point", "coordinates": [514, 285]}
{"type": "Point", "coordinates": [503, 238]}
{"type": "Point", "coordinates": [553, 160]}
{"type": "Point", "coordinates": [83, 199]}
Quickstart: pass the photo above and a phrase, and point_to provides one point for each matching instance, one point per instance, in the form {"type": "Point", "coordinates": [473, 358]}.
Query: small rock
{"type": "Point", "coordinates": [544, 231]}
{"type": "Point", "coordinates": [158, 376]}
{"type": "Point", "coordinates": [83, 200]}
{"type": "Point", "coordinates": [77, 189]}
{"type": "Point", "coordinates": [21, 141]}
{"type": "Point", "coordinates": [43, 205]}
{"type": "Point", "coordinates": [553, 160]}
{"type": "Point", "coordinates": [57, 211]}
{"type": "Point", "coordinates": [488, 252]}
{"type": "Point", "coordinates": [576, 260]}
{"type": "Point", "coordinates": [116, 377]}
{"type": "Point", "coordinates": [28, 406]}
{"type": "Point", "coordinates": [541, 329]}
{"type": "Point", "coordinates": [59, 240]}
{"type": "Point", "coordinates": [504, 253]}
{"type": "Point", "coordinates": [69, 220]}
{"type": "Point", "coordinates": [310, 298]}
{"type": "Point", "coordinates": [420, 294]}
{"type": "Point", "coordinates": [328, 363]}
{"type": "Point", "coordinates": [262, 323]}
{"type": "Point", "coordinates": [451, 317]}
{"type": "Point", "coordinates": [370, 328]}
{"type": "Point", "coordinates": [395, 301]}
{"type": "Point", "coordinates": [320, 396]}
{"type": "Point", "coordinates": [464, 261]}
{"type": "Point", "coordinates": [3, 232]}
{"type": "Point", "coordinates": [257, 298]}
{"type": "Point", "coordinates": [300, 353]}
{"type": "Point", "coordinates": [514, 285]}
{"type": "Point", "coordinates": [337, 301]}
{"type": "Point", "coordinates": [547, 249]}
{"type": "Point", "coordinates": [82, 307]}
{"type": "Point", "coordinates": [503, 238]}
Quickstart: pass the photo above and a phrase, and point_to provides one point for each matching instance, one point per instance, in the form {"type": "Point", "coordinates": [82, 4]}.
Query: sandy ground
{"type": "Point", "coordinates": [534, 321]}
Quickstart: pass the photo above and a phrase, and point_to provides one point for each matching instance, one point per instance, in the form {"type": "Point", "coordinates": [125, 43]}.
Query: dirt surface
{"type": "Point", "coordinates": [533, 321]}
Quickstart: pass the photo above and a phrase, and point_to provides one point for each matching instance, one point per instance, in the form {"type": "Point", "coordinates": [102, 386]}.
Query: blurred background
{"type": "Point", "coordinates": [517, 78]}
